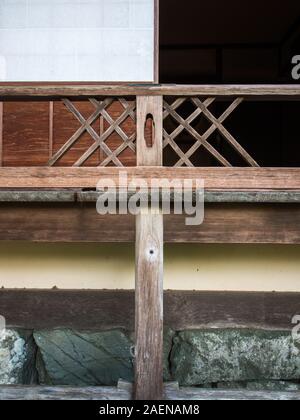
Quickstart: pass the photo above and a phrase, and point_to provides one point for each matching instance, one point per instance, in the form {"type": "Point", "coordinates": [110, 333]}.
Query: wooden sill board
{"type": "Point", "coordinates": [245, 179]}
{"type": "Point", "coordinates": [73, 196]}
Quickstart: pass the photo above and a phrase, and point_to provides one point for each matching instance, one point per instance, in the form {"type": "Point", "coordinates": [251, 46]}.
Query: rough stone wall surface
{"type": "Point", "coordinates": [223, 359]}
{"type": "Point", "coordinates": [204, 356]}
{"type": "Point", "coordinates": [67, 357]}
{"type": "Point", "coordinates": [17, 358]}
{"type": "Point", "coordinates": [71, 358]}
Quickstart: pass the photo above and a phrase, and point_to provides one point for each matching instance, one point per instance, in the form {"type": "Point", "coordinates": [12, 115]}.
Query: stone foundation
{"type": "Point", "coordinates": [17, 358]}
{"type": "Point", "coordinates": [223, 359]}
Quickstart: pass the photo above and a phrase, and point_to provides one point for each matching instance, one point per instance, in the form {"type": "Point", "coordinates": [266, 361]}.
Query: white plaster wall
{"type": "Point", "coordinates": [187, 267]}
{"type": "Point", "coordinates": [76, 40]}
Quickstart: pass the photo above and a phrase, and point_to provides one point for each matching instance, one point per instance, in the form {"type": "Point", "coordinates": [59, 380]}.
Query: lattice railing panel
{"type": "Point", "coordinates": [194, 118]}
{"type": "Point", "coordinates": [109, 132]}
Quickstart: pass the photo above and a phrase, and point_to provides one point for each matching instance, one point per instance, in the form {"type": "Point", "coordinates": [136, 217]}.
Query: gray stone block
{"type": "Point", "coordinates": [67, 357]}
{"type": "Point", "coordinates": [212, 356]}
{"type": "Point", "coordinates": [17, 358]}
{"type": "Point", "coordinates": [71, 358]}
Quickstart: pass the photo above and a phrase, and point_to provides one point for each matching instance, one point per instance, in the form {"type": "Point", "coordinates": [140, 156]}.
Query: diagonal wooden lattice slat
{"type": "Point", "coordinates": [201, 140]}
{"type": "Point", "coordinates": [100, 141]}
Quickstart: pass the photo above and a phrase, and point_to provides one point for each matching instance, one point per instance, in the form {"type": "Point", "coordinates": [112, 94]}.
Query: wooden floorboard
{"type": "Point", "coordinates": [30, 393]}
{"type": "Point", "coordinates": [110, 393]}
{"type": "Point", "coordinates": [194, 394]}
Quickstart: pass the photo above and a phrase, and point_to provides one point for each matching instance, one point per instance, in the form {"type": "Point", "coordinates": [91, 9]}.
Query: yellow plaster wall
{"type": "Point", "coordinates": [187, 267]}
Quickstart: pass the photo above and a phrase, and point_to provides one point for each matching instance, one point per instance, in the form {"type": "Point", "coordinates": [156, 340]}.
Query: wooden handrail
{"type": "Point", "coordinates": [60, 91]}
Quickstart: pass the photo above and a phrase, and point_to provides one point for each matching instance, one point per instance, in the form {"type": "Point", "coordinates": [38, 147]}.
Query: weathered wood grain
{"type": "Point", "coordinates": [225, 133]}
{"type": "Point", "coordinates": [69, 195]}
{"type": "Point", "coordinates": [200, 140]}
{"type": "Point", "coordinates": [30, 393]}
{"type": "Point", "coordinates": [1, 132]}
{"type": "Point", "coordinates": [275, 197]}
{"type": "Point", "coordinates": [149, 265]}
{"type": "Point", "coordinates": [214, 178]}
{"type": "Point", "coordinates": [54, 133]}
{"type": "Point", "coordinates": [38, 393]}
{"type": "Point", "coordinates": [60, 91]}
{"type": "Point", "coordinates": [65, 127]}
{"type": "Point", "coordinates": [149, 107]}
{"type": "Point", "coordinates": [25, 133]}
{"type": "Point", "coordinates": [240, 223]}
{"type": "Point", "coordinates": [149, 307]}
{"type": "Point", "coordinates": [186, 394]}
{"type": "Point", "coordinates": [104, 309]}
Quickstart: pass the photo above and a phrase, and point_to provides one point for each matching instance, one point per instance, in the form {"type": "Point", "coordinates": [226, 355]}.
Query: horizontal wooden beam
{"type": "Point", "coordinates": [74, 196]}
{"type": "Point", "coordinates": [59, 90]}
{"type": "Point", "coordinates": [37, 393]}
{"type": "Point", "coordinates": [223, 223]}
{"type": "Point", "coordinates": [96, 310]}
{"type": "Point", "coordinates": [242, 179]}
{"type": "Point", "coordinates": [194, 394]}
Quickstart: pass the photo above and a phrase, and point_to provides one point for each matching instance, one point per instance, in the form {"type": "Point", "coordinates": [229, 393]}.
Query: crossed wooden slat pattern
{"type": "Point", "coordinates": [110, 126]}
{"type": "Point", "coordinates": [113, 125]}
{"type": "Point", "coordinates": [201, 140]}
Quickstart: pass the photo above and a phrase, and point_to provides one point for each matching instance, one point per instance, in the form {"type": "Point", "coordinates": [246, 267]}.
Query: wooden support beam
{"type": "Point", "coordinates": [95, 310]}
{"type": "Point", "coordinates": [225, 223]}
{"type": "Point", "coordinates": [236, 179]}
{"type": "Point", "coordinates": [149, 266]}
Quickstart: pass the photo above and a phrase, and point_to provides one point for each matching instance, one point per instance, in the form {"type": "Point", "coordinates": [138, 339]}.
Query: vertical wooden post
{"type": "Point", "coordinates": [149, 265]}
{"type": "Point", "coordinates": [51, 128]}
{"type": "Point", "coordinates": [1, 133]}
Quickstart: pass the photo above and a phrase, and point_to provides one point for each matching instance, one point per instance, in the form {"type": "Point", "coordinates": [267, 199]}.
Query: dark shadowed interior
{"type": "Point", "coordinates": [234, 42]}
{"type": "Point", "coordinates": [250, 41]}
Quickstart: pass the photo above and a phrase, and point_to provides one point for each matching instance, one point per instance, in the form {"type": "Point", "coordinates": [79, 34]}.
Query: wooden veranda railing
{"type": "Point", "coordinates": [71, 136]}
{"type": "Point", "coordinates": [48, 134]}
